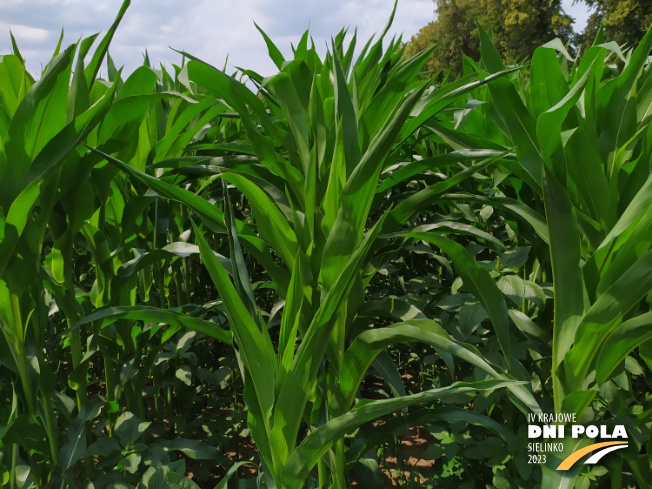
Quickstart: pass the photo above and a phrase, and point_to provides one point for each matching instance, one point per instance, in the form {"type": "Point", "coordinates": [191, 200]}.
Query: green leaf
{"type": "Point", "coordinates": [178, 481]}
{"type": "Point", "coordinates": [549, 125]}
{"type": "Point", "coordinates": [566, 273]}
{"type": "Point", "coordinates": [586, 169]}
{"type": "Point", "coordinates": [141, 82]}
{"type": "Point", "coordinates": [518, 289]}
{"type": "Point", "coordinates": [241, 99]}
{"type": "Point", "coordinates": [211, 215]}
{"type": "Point", "coordinates": [75, 445]}
{"type": "Point", "coordinates": [358, 192]}
{"type": "Point", "coordinates": [240, 275]}
{"type": "Point", "coordinates": [104, 447]}
{"type": "Point", "coordinates": [526, 325]}
{"type": "Point", "coordinates": [39, 117]}
{"type": "Point", "coordinates": [233, 470]}
{"type": "Point", "coordinates": [515, 258]}
{"type": "Point", "coordinates": [14, 47]}
{"type": "Point", "coordinates": [13, 85]}
{"type": "Point", "coordinates": [603, 316]}
{"type": "Point", "coordinates": [130, 462]}
{"type": "Point", "coordinates": [152, 314]}
{"type": "Point", "coordinates": [437, 100]}
{"type": "Point", "coordinates": [516, 117]}
{"type": "Point", "coordinates": [26, 432]}
{"type": "Point", "coordinates": [274, 52]}
{"type": "Point", "coordinates": [393, 176]}
{"type": "Point", "coordinates": [478, 280]}
{"type": "Point", "coordinates": [94, 66]}
{"type": "Point", "coordinates": [619, 110]}
{"type": "Point", "coordinates": [624, 251]}
{"type": "Point", "coordinates": [368, 344]}
{"type": "Point", "coordinates": [79, 96]}
{"type": "Point", "coordinates": [302, 375]}
{"type": "Point", "coordinates": [291, 315]}
{"type": "Point", "coordinates": [512, 206]}
{"type": "Point", "coordinates": [423, 199]}
{"type": "Point", "coordinates": [255, 346]}
{"type": "Point", "coordinates": [548, 85]}
{"type": "Point", "coordinates": [269, 221]}
{"type": "Point", "coordinates": [47, 161]}
{"type": "Point", "coordinates": [452, 227]}
{"type": "Point", "coordinates": [627, 336]}
{"type": "Point", "coordinates": [195, 449]}
{"type": "Point", "coordinates": [639, 204]}
{"type": "Point", "coordinates": [177, 249]}
{"type": "Point", "coordinates": [318, 442]}
{"type": "Point", "coordinates": [128, 428]}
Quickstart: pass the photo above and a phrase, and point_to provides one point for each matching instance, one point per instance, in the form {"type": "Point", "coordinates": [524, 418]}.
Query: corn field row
{"type": "Point", "coordinates": [205, 285]}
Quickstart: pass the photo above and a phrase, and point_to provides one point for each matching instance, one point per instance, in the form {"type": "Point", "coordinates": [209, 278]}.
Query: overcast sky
{"type": "Point", "coordinates": [208, 29]}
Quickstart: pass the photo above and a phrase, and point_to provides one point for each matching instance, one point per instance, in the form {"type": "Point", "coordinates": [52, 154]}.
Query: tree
{"type": "Point", "coordinates": [624, 21]}
{"type": "Point", "coordinates": [519, 26]}
{"type": "Point", "coordinates": [455, 31]}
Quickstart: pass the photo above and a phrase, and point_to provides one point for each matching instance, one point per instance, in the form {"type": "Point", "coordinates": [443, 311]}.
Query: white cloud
{"type": "Point", "coordinates": [30, 34]}
{"type": "Point", "coordinates": [208, 29]}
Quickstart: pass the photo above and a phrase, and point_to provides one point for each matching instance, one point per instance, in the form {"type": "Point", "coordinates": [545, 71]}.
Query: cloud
{"type": "Point", "coordinates": [208, 29]}
{"type": "Point", "coordinates": [53, 15]}
{"type": "Point", "coordinates": [30, 34]}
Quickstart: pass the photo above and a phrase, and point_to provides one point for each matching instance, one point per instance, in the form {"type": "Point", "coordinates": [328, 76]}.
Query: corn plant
{"type": "Point", "coordinates": [317, 144]}
{"type": "Point", "coordinates": [579, 194]}
{"type": "Point", "coordinates": [301, 199]}
{"type": "Point", "coordinates": [44, 125]}
{"type": "Point", "coordinates": [53, 198]}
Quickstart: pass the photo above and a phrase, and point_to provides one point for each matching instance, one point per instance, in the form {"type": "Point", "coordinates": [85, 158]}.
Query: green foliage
{"type": "Point", "coordinates": [623, 21]}
{"type": "Point", "coordinates": [519, 27]}
{"type": "Point", "coordinates": [248, 285]}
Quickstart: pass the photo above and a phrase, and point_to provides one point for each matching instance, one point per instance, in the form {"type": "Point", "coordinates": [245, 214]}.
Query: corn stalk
{"type": "Point", "coordinates": [320, 138]}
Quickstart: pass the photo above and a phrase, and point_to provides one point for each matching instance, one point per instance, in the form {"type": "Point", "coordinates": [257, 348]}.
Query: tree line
{"type": "Point", "coordinates": [519, 26]}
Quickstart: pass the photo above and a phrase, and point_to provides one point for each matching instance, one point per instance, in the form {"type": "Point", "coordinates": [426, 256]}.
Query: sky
{"type": "Point", "coordinates": [209, 29]}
